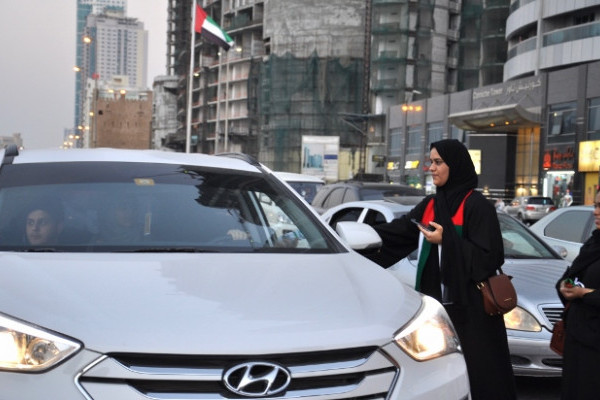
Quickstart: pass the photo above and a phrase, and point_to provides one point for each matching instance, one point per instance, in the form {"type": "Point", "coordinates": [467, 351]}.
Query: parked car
{"type": "Point", "coordinates": [568, 227]}
{"type": "Point", "coordinates": [529, 209]}
{"type": "Point", "coordinates": [203, 299]}
{"type": "Point", "coordinates": [334, 194]}
{"type": "Point", "coordinates": [535, 268]}
{"type": "Point", "coordinates": [306, 185]}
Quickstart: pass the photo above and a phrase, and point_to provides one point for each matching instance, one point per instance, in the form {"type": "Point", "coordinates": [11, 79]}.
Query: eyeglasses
{"type": "Point", "coordinates": [437, 162]}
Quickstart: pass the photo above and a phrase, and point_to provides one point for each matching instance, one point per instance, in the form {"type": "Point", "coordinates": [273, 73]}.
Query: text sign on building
{"type": "Point", "coordinates": [320, 156]}
{"type": "Point", "coordinates": [476, 158]}
{"type": "Point", "coordinates": [559, 158]}
{"type": "Point", "coordinates": [589, 156]}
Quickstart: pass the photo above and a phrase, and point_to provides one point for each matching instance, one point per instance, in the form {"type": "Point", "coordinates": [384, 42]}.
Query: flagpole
{"type": "Point", "coordinates": [188, 114]}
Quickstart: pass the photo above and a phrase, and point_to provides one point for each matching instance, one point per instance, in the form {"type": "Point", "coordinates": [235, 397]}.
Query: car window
{"type": "Point", "coordinates": [308, 190]}
{"type": "Point", "coordinates": [346, 214]}
{"type": "Point", "coordinates": [335, 197]}
{"type": "Point", "coordinates": [541, 200]}
{"type": "Point", "coordinates": [374, 217]}
{"type": "Point", "coordinates": [151, 207]}
{"type": "Point", "coordinates": [519, 242]}
{"type": "Point", "coordinates": [572, 226]}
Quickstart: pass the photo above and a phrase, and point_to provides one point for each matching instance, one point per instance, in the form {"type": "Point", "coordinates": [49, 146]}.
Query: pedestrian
{"type": "Point", "coordinates": [463, 248]}
{"type": "Point", "coordinates": [499, 204]}
{"type": "Point", "coordinates": [577, 287]}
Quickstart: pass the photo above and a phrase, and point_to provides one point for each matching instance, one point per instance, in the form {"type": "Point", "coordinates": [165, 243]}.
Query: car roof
{"type": "Point", "coordinates": [227, 161]}
{"type": "Point", "coordinates": [295, 177]}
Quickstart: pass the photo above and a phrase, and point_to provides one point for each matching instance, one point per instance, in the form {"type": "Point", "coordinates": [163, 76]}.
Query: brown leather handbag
{"type": "Point", "coordinates": [499, 294]}
{"type": "Point", "coordinates": [557, 341]}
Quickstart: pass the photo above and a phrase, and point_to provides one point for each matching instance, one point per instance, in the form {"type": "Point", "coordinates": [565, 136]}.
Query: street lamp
{"type": "Point", "coordinates": [406, 109]}
{"type": "Point", "coordinates": [357, 122]}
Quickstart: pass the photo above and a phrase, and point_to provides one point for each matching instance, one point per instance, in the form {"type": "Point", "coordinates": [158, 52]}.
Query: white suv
{"type": "Point", "coordinates": [131, 275]}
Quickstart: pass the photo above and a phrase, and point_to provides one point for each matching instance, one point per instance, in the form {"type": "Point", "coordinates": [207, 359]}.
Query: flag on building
{"type": "Point", "coordinates": [209, 29]}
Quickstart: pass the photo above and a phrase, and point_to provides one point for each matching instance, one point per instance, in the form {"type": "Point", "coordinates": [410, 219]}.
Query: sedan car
{"type": "Point", "coordinates": [529, 209]}
{"type": "Point", "coordinates": [196, 295]}
{"type": "Point", "coordinates": [334, 194]}
{"type": "Point", "coordinates": [568, 227]}
{"type": "Point", "coordinates": [535, 268]}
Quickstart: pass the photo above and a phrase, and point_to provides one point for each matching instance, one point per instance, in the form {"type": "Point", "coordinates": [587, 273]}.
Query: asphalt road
{"type": "Point", "coordinates": [538, 388]}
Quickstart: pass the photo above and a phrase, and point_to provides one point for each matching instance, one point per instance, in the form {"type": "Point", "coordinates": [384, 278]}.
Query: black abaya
{"type": "Point", "coordinates": [581, 359]}
{"type": "Point", "coordinates": [471, 252]}
{"type": "Point", "coordinates": [483, 337]}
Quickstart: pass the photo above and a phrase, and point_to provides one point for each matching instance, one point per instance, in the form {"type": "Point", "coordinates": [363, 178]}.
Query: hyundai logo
{"type": "Point", "coordinates": [257, 379]}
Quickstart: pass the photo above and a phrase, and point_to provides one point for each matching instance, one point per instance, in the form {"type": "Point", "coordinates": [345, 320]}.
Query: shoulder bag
{"type": "Point", "coordinates": [499, 294]}
{"type": "Point", "coordinates": [557, 341]}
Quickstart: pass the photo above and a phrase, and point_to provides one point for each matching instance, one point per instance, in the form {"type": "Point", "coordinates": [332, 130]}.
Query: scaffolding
{"type": "Point", "coordinates": [305, 96]}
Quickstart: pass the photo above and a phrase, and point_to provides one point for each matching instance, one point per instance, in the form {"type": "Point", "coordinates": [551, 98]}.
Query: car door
{"type": "Point", "coordinates": [570, 229]}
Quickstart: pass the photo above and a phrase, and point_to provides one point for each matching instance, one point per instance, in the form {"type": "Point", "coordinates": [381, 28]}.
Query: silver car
{"type": "Point", "coordinates": [568, 227]}
{"type": "Point", "coordinates": [529, 209]}
{"type": "Point", "coordinates": [535, 268]}
{"type": "Point", "coordinates": [160, 275]}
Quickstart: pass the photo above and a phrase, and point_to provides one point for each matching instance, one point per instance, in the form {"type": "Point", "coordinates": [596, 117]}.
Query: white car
{"type": "Point", "coordinates": [568, 227]}
{"type": "Point", "coordinates": [193, 295]}
{"type": "Point", "coordinates": [306, 185]}
{"type": "Point", "coordinates": [535, 268]}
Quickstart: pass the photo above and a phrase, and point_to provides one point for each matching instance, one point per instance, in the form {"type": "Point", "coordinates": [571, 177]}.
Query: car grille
{"type": "Point", "coordinates": [365, 373]}
{"type": "Point", "coordinates": [553, 313]}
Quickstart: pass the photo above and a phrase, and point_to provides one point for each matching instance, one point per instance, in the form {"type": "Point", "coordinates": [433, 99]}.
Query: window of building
{"type": "Point", "coordinates": [395, 142]}
{"type": "Point", "coordinates": [457, 133]}
{"type": "Point", "coordinates": [414, 140]}
{"type": "Point", "coordinates": [435, 132]}
{"type": "Point", "coordinates": [561, 121]}
{"type": "Point", "coordinates": [594, 118]}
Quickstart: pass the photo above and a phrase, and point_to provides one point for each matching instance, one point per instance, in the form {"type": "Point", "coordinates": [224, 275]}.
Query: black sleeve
{"type": "Point", "coordinates": [483, 247]}
{"type": "Point", "coordinates": [399, 237]}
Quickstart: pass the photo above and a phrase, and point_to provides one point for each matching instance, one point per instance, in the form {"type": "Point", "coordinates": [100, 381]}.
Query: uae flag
{"type": "Point", "coordinates": [210, 31]}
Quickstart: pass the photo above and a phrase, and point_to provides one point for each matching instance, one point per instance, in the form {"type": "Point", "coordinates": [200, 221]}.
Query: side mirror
{"type": "Point", "coordinates": [357, 235]}
{"type": "Point", "coordinates": [560, 250]}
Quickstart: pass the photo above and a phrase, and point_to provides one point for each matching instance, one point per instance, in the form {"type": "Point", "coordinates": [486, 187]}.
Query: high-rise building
{"type": "Point", "coordinates": [85, 8]}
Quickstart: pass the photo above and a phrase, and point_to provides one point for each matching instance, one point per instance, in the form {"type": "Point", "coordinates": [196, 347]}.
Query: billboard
{"type": "Point", "coordinates": [320, 156]}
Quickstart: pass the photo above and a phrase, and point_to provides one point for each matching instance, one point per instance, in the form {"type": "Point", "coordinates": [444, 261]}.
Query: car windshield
{"type": "Point", "coordinates": [519, 242]}
{"type": "Point", "coordinates": [541, 200]}
{"type": "Point", "coordinates": [96, 207]}
{"type": "Point", "coordinates": [308, 190]}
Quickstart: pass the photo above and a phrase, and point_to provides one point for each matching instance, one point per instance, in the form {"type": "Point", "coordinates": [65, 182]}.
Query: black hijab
{"type": "Point", "coordinates": [462, 179]}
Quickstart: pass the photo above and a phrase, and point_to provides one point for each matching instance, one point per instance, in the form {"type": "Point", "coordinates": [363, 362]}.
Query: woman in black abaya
{"type": "Point", "coordinates": [468, 233]}
{"type": "Point", "coordinates": [581, 358]}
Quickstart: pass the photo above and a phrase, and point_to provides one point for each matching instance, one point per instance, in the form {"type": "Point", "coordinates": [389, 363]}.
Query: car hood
{"type": "Point", "coordinates": [206, 303]}
{"type": "Point", "coordinates": [535, 280]}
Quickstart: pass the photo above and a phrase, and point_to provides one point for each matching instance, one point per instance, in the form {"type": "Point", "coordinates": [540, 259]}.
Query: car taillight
{"type": "Point", "coordinates": [552, 208]}
{"type": "Point", "coordinates": [530, 208]}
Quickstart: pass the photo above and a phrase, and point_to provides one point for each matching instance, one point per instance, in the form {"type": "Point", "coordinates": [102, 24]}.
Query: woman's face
{"type": "Point", "coordinates": [440, 171]}
{"type": "Point", "coordinates": [597, 210]}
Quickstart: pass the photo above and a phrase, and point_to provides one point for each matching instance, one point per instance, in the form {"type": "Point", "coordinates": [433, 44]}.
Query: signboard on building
{"type": "Point", "coordinates": [476, 158]}
{"type": "Point", "coordinates": [559, 158]}
{"type": "Point", "coordinates": [589, 156]}
{"type": "Point", "coordinates": [320, 156]}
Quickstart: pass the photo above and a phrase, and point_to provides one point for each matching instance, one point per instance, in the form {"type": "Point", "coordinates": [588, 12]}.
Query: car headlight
{"type": "Point", "coordinates": [521, 320]}
{"type": "Point", "coordinates": [430, 334]}
{"type": "Point", "coordinates": [28, 349]}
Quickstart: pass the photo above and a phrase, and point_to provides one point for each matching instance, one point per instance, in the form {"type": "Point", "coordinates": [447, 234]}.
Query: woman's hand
{"type": "Point", "coordinates": [435, 236]}
{"type": "Point", "coordinates": [571, 292]}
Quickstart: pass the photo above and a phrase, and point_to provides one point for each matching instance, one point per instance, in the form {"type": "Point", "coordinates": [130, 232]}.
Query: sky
{"type": "Point", "coordinates": [37, 55]}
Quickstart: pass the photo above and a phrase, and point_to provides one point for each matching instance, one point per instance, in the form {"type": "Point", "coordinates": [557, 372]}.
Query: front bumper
{"type": "Point", "coordinates": [533, 357]}
{"type": "Point", "coordinates": [384, 373]}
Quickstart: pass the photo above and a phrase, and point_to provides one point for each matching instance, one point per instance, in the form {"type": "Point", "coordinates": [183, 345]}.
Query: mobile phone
{"type": "Point", "coordinates": [427, 228]}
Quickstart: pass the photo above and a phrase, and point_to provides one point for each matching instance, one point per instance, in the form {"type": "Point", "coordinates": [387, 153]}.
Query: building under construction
{"type": "Point", "coordinates": [315, 68]}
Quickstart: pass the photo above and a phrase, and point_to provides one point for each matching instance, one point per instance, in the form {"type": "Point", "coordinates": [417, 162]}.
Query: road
{"type": "Point", "coordinates": [538, 388]}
